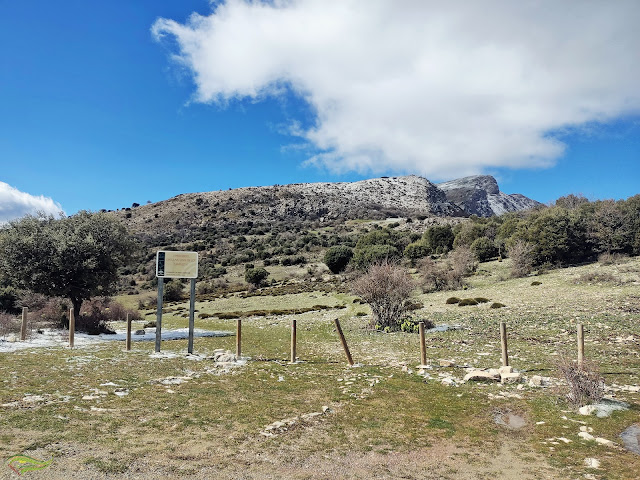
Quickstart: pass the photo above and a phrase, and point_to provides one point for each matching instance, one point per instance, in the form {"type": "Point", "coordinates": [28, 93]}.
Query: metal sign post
{"type": "Point", "coordinates": [159, 314]}
{"type": "Point", "coordinates": [192, 308]}
{"type": "Point", "coordinates": [172, 264]}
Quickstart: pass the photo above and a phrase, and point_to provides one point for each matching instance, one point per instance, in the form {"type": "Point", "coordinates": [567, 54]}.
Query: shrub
{"type": "Point", "coordinates": [337, 258]}
{"type": "Point", "coordinates": [93, 318]}
{"type": "Point", "coordinates": [481, 299]}
{"type": "Point", "coordinates": [439, 238]}
{"type": "Point", "coordinates": [611, 258]}
{"type": "Point", "coordinates": [483, 249]}
{"type": "Point", "coordinates": [463, 262]}
{"type": "Point", "coordinates": [452, 300]}
{"type": "Point", "coordinates": [412, 325]}
{"type": "Point", "coordinates": [8, 324]}
{"type": "Point", "coordinates": [9, 299]}
{"type": "Point", "coordinates": [386, 287]}
{"type": "Point", "coordinates": [434, 276]}
{"type": "Point", "coordinates": [447, 275]}
{"type": "Point", "coordinates": [54, 310]}
{"type": "Point", "coordinates": [467, 302]}
{"type": "Point", "coordinates": [255, 276]}
{"type": "Point", "coordinates": [371, 254]}
{"type": "Point", "coordinates": [521, 254]}
{"type": "Point", "coordinates": [173, 291]}
{"type": "Point", "coordinates": [596, 277]}
{"type": "Point", "coordinates": [584, 382]}
{"type": "Point", "coordinates": [411, 305]}
{"type": "Point", "coordinates": [535, 283]}
{"type": "Point", "coordinates": [497, 305]}
{"type": "Point", "coordinates": [416, 250]}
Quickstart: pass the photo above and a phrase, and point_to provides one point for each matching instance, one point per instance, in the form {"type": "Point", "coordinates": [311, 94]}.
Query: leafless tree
{"type": "Point", "coordinates": [521, 254]}
{"type": "Point", "coordinates": [386, 287]}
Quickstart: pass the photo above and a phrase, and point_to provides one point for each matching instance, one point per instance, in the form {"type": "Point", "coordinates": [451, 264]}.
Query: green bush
{"type": "Point", "coordinates": [497, 305]}
{"type": "Point", "coordinates": [439, 238]}
{"type": "Point", "coordinates": [483, 249]}
{"type": "Point", "coordinates": [414, 305]}
{"type": "Point", "coordinates": [452, 300]}
{"type": "Point", "coordinates": [412, 325]}
{"type": "Point", "coordinates": [416, 250]}
{"type": "Point", "coordinates": [255, 276]}
{"type": "Point", "coordinates": [536, 283]}
{"type": "Point", "coordinates": [173, 291]}
{"type": "Point", "coordinates": [481, 299]}
{"type": "Point", "coordinates": [467, 302]}
{"type": "Point", "coordinates": [337, 258]}
{"type": "Point", "coordinates": [8, 299]}
{"type": "Point", "coordinates": [371, 254]}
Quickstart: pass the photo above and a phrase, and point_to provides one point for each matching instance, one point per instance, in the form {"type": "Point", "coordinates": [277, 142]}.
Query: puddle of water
{"type": "Point", "coordinates": [631, 438]}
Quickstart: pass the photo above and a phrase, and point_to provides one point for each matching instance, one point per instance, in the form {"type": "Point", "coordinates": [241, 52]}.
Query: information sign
{"type": "Point", "coordinates": [172, 264]}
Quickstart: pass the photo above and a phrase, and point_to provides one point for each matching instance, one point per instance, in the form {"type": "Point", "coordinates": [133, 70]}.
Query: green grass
{"type": "Point", "coordinates": [375, 407]}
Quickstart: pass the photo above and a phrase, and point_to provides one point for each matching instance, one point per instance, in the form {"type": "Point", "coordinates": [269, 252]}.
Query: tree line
{"type": "Point", "coordinates": [573, 230]}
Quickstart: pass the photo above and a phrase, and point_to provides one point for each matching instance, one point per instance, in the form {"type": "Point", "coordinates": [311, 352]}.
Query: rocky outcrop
{"type": "Point", "coordinates": [479, 195]}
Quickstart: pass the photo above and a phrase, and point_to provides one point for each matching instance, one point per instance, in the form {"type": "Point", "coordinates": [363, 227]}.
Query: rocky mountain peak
{"type": "Point", "coordinates": [481, 182]}
{"type": "Point", "coordinates": [480, 195]}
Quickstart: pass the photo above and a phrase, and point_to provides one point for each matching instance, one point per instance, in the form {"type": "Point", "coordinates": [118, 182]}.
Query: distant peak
{"type": "Point", "coordinates": [481, 182]}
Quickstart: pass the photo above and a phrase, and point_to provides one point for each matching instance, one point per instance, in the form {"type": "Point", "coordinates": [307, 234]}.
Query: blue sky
{"type": "Point", "coordinates": [106, 103]}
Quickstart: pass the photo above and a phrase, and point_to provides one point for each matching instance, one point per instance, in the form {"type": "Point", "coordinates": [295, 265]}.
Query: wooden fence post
{"type": "Point", "coordinates": [423, 347]}
{"type": "Point", "coordinates": [238, 338]}
{"type": "Point", "coordinates": [128, 333]}
{"type": "Point", "coordinates": [23, 329]}
{"type": "Point", "coordinates": [72, 327]}
{"type": "Point", "coordinates": [293, 341]}
{"type": "Point", "coordinates": [344, 342]}
{"type": "Point", "coordinates": [580, 344]}
{"type": "Point", "coordinates": [503, 341]}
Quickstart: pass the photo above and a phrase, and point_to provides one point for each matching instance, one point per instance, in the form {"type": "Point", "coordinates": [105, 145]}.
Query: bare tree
{"type": "Point", "coordinates": [521, 254]}
{"type": "Point", "coordinates": [449, 274]}
{"type": "Point", "coordinates": [386, 287]}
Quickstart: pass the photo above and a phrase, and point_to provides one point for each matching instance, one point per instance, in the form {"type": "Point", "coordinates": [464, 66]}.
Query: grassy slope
{"type": "Point", "coordinates": [212, 421]}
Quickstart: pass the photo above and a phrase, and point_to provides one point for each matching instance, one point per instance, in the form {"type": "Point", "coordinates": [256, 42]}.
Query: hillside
{"type": "Point", "coordinates": [323, 204]}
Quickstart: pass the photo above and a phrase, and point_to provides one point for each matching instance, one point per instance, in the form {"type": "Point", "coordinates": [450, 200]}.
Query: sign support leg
{"type": "Point", "coordinates": [159, 314]}
{"type": "Point", "coordinates": [192, 308]}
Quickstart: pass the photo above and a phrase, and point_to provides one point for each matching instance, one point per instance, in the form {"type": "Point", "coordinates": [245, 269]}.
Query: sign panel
{"type": "Point", "coordinates": [170, 264]}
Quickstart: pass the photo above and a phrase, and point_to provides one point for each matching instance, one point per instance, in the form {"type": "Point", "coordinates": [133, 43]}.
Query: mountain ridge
{"type": "Point", "coordinates": [324, 203]}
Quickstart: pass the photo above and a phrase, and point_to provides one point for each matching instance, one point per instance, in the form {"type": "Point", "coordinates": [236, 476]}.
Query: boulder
{"type": "Point", "coordinates": [225, 357]}
{"type": "Point", "coordinates": [514, 377]}
{"type": "Point", "coordinates": [537, 381]}
{"type": "Point", "coordinates": [481, 376]}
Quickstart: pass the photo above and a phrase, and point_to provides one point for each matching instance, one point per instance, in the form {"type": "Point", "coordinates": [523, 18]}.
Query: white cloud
{"type": "Point", "coordinates": [442, 89]}
{"type": "Point", "coordinates": [16, 204]}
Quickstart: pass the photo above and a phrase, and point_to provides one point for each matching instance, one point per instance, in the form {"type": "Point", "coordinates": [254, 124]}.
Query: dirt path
{"type": "Point", "coordinates": [511, 461]}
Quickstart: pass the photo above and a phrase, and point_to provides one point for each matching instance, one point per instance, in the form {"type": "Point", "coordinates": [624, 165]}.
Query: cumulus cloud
{"type": "Point", "coordinates": [442, 89]}
{"type": "Point", "coordinates": [16, 204]}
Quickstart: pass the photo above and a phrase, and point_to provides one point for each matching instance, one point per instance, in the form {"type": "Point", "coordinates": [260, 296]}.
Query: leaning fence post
{"type": "Point", "coordinates": [580, 344]}
{"type": "Point", "coordinates": [423, 347]}
{"type": "Point", "coordinates": [503, 341]}
{"type": "Point", "coordinates": [344, 342]}
{"type": "Point", "coordinates": [23, 329]}
{"type": "Point", "coordinates": [72, 327]}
